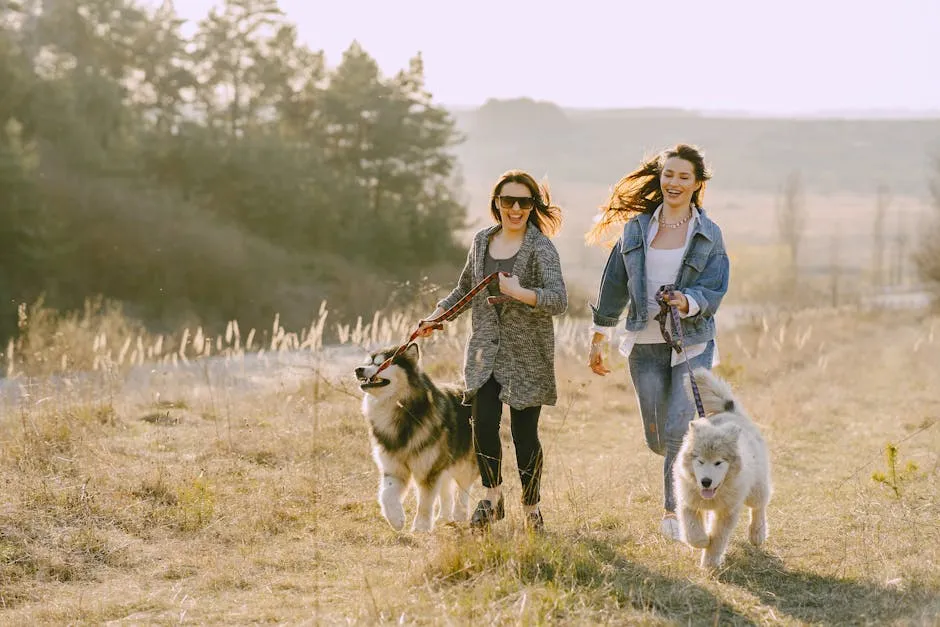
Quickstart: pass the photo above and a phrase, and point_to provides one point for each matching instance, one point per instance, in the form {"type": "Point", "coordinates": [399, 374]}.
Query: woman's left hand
{"type": "Point", "coordinates": [509, 284]}
{"type": "Point", "coordinates": [678, 299]}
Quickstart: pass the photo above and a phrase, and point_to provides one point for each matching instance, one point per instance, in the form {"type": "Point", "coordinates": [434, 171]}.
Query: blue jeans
{"type": "Point", "coordinates": [665, 407]}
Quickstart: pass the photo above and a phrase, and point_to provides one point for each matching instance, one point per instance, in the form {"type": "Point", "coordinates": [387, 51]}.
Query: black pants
{"type": "Point", "coordinates": [487, 411]}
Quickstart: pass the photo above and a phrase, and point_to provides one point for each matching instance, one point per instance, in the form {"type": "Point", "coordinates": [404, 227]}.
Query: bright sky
{"type": "Point", "coordinates": [779, 58]}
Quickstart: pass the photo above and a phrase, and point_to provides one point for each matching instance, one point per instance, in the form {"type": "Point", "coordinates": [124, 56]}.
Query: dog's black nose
{"type": "Point", "coordinates": [359, 371]}
{"type": "Point", "coordinates": [706, 482]}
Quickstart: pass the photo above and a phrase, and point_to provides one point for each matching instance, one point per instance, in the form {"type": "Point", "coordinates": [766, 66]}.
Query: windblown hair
{"type": "Point", "coordinates": [545, 216]}
{"type": "Point", "coordinates": [640, 190]}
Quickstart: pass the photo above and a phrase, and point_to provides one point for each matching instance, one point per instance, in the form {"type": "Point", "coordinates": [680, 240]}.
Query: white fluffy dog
{"type": "Point", "coordinates": [722, 466]}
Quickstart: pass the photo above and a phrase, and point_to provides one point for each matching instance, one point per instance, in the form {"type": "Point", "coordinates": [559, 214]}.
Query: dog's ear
{"type": "Point", "coordinates": [412, 352]}
{"type": "Point", "coordinates": [696, 426]}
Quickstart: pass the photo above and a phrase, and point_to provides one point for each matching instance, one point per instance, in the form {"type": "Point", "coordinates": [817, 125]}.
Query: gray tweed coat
{"type": "Point", "coordinates": [518, 345]}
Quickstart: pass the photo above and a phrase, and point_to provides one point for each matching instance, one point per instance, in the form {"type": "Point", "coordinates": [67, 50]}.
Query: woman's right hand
{"type": "Point", "coordinates": [426, 328]}
{"type": "Point", "coordinates": [596, 359]}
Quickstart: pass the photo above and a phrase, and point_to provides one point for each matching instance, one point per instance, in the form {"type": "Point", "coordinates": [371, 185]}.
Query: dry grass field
{"type": "Point", "coordinates": [148, 493]}
{"type": "Point", "coordinates": [228, 479]}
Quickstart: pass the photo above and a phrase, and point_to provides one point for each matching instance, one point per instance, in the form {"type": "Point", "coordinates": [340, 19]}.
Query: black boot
{"type": "Point", "coordinates": [485, 514]}
{"type": "Point", "coordinates": [534, 522]}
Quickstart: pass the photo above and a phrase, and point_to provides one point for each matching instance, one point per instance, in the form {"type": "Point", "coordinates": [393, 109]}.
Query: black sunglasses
{"type": "Point", "coordinates": [525, 202]}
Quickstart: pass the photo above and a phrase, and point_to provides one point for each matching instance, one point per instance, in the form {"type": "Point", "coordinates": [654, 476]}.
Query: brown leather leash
{"type": "Point", "coordinates": [438, 322]}
{"type": "Point", "coordinates": [675, 339]}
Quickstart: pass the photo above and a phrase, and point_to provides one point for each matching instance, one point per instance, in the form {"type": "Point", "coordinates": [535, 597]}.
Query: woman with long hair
{"type": "Point", "coordinates": [510, 355]}
{"type": "Point", "coordinates": [664, 237]}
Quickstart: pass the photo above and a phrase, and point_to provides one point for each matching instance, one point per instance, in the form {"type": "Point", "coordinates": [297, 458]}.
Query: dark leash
{"type": "Point", "coordinates": [674, 339]}
{"type": "Point", "coordinates": [450, 314]}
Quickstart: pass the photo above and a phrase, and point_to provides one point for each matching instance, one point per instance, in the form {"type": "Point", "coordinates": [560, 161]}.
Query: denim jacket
{"type": "Point", "coordinates": [703, 275]}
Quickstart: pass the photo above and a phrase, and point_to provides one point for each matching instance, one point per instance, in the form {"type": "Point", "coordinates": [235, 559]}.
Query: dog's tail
{"type": "Point", "coordinates": [716, 394]}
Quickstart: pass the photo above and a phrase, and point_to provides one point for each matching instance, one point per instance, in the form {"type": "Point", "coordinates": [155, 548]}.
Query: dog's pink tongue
{"type": "Point", "coordinates": [708, 493]}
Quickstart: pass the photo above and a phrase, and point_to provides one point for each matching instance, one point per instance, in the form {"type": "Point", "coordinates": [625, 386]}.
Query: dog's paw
{"type": "Point", "coordinates": [457, 515]}
{"type": "Point", "coordinates": [693, 532]}
{"type": "Point", "coordinates": [697, 538]}
{"type": "Point", "coordinates": [421, 524]}
{"type": "Point", "coordinates": [396, 520]}
{"type": "Point", "coordinates": [711, 561]}
{"type": "Point", "coordinates": [757, 533]}
{"type": "Point", "coordinates": [394, 513]}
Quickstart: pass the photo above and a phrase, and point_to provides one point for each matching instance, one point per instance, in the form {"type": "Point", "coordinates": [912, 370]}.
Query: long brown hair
{"type": "Point", "coordinates": [640, 190]}
{"type": "Point", "coordinates": [545, 216]}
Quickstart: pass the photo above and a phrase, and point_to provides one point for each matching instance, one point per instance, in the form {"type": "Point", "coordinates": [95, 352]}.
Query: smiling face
{"type": "Point", "coordinates": [515, 204]}
{"type": "Point", "coordinates": [678, 182]}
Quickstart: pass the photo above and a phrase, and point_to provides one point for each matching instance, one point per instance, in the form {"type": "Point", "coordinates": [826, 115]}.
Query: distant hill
{"type": "Point", "coordinates": [834, 155]}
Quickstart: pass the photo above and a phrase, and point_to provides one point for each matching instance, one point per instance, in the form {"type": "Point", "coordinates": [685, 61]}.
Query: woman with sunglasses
{"type": "Point", "coordinates": [510, 355]}
{"type": "Point", "coordinates": [664, 238]}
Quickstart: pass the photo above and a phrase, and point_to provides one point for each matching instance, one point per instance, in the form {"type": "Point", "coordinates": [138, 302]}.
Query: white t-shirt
{"type": "Point", "coordinates": [662, 267]}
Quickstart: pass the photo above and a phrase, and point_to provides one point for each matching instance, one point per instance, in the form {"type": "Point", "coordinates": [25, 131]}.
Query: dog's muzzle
{"type": "Point", "coordinates": [368, 382]}
{"type": "Point", "coordinates": [707, 488]}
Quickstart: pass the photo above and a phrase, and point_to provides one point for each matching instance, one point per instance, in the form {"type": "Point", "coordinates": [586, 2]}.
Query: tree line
{"type": "Point", "coordinates": [228, 174]}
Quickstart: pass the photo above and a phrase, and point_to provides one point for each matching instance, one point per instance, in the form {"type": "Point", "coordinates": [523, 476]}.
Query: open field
{"type": "Point", "coordinates": [230, 482]}
{"type": "Point", "coordinates": [190, 496]}
{"type": "Point", "coordinates": [174, 174]}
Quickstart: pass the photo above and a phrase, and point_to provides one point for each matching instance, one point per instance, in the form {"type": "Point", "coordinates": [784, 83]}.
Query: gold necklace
{"type": "Point", "coordinates": [674, 225]}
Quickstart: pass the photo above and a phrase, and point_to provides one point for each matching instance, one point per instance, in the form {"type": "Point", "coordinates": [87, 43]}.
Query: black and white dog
{"type": "Point", "coordinates": [419, 432]}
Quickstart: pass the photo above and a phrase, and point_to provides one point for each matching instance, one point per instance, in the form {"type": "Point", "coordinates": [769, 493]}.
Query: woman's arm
{"type": "Point", "coordinates": [711, 286]}
{"type": "Point", "coordinates": [613, 294]}
{"type": "Point", "coordinates": [552, 297]}
{"type": "Point", "coordinates": [464, 283]}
